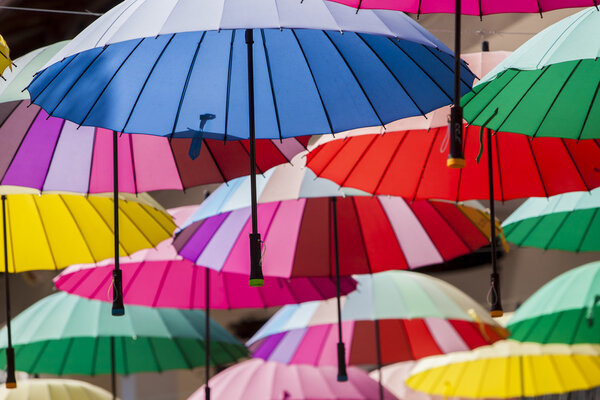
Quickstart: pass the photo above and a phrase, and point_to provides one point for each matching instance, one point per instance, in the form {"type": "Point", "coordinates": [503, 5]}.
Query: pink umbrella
{"type": "Point", "coordinates": [256, 379]}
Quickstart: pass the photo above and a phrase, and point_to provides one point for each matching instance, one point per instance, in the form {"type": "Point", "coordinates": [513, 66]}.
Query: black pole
{"type": "Point", "coordinates": [495, 299]}
{"type": "Point", "coordinates": [256, 275]}
{"type": "Point", "coordinates": [118, 309]}
{"type": "Point", "coordinates": [456, 158]}
{"type": "Point", "coordinates": [11, 382]}
{"type": "Point", "coordinates": [113, 373]}
{"type": "Point", "coordinates": [207, 338]}
{"type": "Point", "coordinates": [341, 349]}
{"type": "Point", "coordinates": [379, 363]}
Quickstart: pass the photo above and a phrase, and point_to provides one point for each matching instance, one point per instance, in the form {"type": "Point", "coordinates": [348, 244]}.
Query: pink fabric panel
{"type": "Point", "coordinates": [444, 334]}
{"type": "Point", "coordinates": [154, 164]}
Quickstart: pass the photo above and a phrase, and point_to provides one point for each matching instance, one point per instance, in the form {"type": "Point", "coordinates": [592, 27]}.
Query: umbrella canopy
{"type": "Point", "coordinates": [296, 219]}
{"type": "Point", "coordinates": [266, 380]}
{"type": "Point", "coordinates": [548, 87]}
{"type": "Point", "coordinates": [161, 278]}
{"type": "Point", "coordinates": [470, 7]}
{"type": "Point", "coordinates": [411, 315]}
{"type": "Point", "coordinates": [410, 159]}
{"type": "Point", "coordinates": [568, 222]}
{"type": "Point", "coordinates": [509, 369]}
{"type": "Point", "coordinates": [180, 69]}
{"type": "Point", "coordinates": [5, 61]}
{"type": "Point", "coordinates": [564, 310]}
{"type": "Point", "coordinates": [67, 229]}
{"type": "Point", "coordinates": [51, 154]}
{"type": "Point", "coordinates": [54, 389]}
{"type": "Point", "coordinates": [394, 379]}
{"type": "Point", "coordinates": [65, 334]}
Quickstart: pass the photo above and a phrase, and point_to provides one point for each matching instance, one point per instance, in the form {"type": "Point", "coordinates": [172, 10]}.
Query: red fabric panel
{"type": "Point", "coordinates": [353, 258]}
{"type": "Point", "coordinates": [383, 250]}
{"type": "Point", "coordinates": [395, 345]}
{"type": "Point", "coordinates": [421, 341]}
{"type": "Point", "coordinates": [461, 224]}
{"type": "Point", "coordinates": [470, 333]}
{"type": "Point", "coordinates": [312, 249]}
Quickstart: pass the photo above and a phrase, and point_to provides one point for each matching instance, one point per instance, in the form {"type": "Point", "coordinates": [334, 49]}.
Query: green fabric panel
{"type": "Point", "coordinates": [568, 327]}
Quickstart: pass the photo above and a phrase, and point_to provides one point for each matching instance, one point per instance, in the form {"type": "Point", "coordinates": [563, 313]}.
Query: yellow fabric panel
{"type": "Point", "coordinates": [54, 231]}
{"type": "Point", "coordinates": [5, 61]}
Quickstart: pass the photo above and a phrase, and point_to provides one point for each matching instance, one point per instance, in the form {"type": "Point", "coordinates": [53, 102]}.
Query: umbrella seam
{"type": "Point", "coordinates": [588, 112]}
{"type": "Point", "coordinates": [354, 165]}
{"type": "Point", "coordinates": [32, 100]}
{"type": "Point", "coordinates": [587, 188]}
{"type": "Point", "coordinates": [388, 163]}
{"type": "Point", "coordinates": [422, 173]}
{"type": "Point", "coordinates": [537, 167]}
{"type": "Point", "coordinates": [430, 203]}
{"type": "Point", "coordinates": [83, 237]}
{"type": "Point", "coordinates": [146, 80]}
{"type": "Point", "coordinates": [46, 236]}
{"type": "Point", "coordinates": [183, 185]}
{"type": "Point", "coordinates": [451, 69]}
{"type": "Point", "coordinates": [587, 229]}
{"type": "Point", "coordinates": [212, 156]}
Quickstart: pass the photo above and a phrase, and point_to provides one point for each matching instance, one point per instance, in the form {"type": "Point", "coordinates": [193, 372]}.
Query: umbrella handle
{"type": "Point", "coordinates": [590, 311]}
{"type": "Point", "coordinates": [341, 355]}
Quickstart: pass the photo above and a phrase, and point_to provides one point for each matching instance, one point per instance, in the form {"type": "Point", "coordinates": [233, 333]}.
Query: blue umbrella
{"type": "Point", "coordinates": [234, 69]}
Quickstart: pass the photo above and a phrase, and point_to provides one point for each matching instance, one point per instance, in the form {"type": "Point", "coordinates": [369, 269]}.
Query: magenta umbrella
{"type": "Point", "coordinates": [257, 379]}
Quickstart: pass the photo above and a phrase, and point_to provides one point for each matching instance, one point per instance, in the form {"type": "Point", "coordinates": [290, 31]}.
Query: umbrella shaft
{"type": "Point", "coordinates": [207, 338]}
{"type": "Point", "coordinates": [6, 273]}
{"type": "Point", "coordinates": [113, 373]}
{"type": "Point", "coordinates": [492, 203]}
{"type": "Point", "coordinates": [457, 28]}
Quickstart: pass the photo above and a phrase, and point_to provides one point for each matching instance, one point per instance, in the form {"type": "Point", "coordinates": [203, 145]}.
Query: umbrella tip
{"type": "Point", "coordinates": [496, 313]}
{"type": "Point", "coordinates": [256, 282]}
{"type": "Point", "coordinates": [11, 385]}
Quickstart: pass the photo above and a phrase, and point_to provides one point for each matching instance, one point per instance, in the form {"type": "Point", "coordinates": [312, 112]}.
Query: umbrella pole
{"type": "Point", "coordinates": [379, 363]}
{"type": "Point", "coordinates": [118, 309]}
{"type": "Point", "coordinates": [256, 275]}
{"type": "Point", "coordinates": [341, 350]}
{"type": "Point", "coordinates": [113, 374]}
{"type": "Point", "coordinates": [495, 299]}
{"type": "Point", "coordinates": [11, 382]}
{"type": "Point", "coordinates": [207, 338]}
{"type": "Point", "coordinates": [456, 158]}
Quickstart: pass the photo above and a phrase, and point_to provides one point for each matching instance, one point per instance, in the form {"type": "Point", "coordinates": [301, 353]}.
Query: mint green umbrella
{"type": "Point", "coordinates": [66, 334]}
{"type": "Point", "coordinates": [565, 310]}
{"type": "Point", "coordinates": [548, 87]}
{"type": "Point", "coordinates": [569, 221]}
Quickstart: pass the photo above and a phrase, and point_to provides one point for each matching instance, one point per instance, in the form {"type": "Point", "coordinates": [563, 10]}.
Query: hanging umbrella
{"type": "Point", "coordinates": [548, 87]}
{"type": "Point", "coordinates": [266, 380]}
{"type": "Point", "coordinates": [567, 222]}
{"type": "Point", "coordinates": [64, 334]}
{"type": "Point", "coordinates": [392, 316]}
{"type": "Point", "coordinates": [509, 369]}
{"type": "Point", "coordinates": [5, 61]}
{"type": "Point", "coordinates": [64, 229]}
{"type": "Point", "coordinates": [54, 389]}
{"type": "Point", "coordinates": [300, 220]}
{"type": "Point", "coordinates": [52, 154]}
{"type": "Point", "coordinates": [384, 67]}
{"type": "Point", "coordinates": [564, 310]}
{"type": "Point", "coordinates": [161, 278]}
{"type": "Point", "coordinates": [394, 377]}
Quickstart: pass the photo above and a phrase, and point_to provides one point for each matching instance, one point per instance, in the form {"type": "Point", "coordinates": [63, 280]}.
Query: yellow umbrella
{"type": "Point", "coordinates": [5, 61]}
{"type": "Point", "coordinates": [52, 231]}
{"type": "Point", "coordinates": [54, 389]}
{"type": "Point", "coordinates": [509, 369]}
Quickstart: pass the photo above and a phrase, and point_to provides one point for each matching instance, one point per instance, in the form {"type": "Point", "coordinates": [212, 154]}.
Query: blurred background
{"type": "Point", "coordinates": [523, 270]}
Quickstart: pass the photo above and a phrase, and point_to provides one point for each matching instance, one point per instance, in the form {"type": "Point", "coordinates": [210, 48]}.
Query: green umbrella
{"type": "Point", "coordinates": [66, 334]}
{"type": "Point", "coordinates": [565, 310]}
{"type": "Point", "coordinates": [548, 87]}
{"type": "Point", "coordinates": [569, 221]}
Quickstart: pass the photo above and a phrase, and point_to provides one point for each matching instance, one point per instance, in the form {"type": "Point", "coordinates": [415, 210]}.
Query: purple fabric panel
{"type": "Point", "coordinates": [202, 235]}
{"type": "Point", "coordinates": [31, 163]}
{"type": "Point", "coordinates": [71, 164]}
{"type": "Point", "coordinates": [12, 132]}
{"type": "Point", "coordinates": [288, 346]}
{"type": "Point", "coordinates": [265, 347]}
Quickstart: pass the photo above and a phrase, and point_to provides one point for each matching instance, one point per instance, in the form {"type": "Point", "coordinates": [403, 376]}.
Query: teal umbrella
{"type": "Point", "coordinates": [548, 87]}
{"type": "Point", "coordinates": [565, 310]}
{"type": "Point", "coordinates": [569, 221]}
{"type": "Point", "coordinates": [66, 334]}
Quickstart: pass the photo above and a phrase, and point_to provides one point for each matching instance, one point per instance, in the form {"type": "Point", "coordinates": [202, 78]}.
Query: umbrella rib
{"type": "Point", "coordinates": [314, 82]}
{"type": "Point", "coordinates": [262, 34]}
{"type": "Point", "coordinates": [316, 287]}
{"type": "Point", "coordinates": [161, 284]}
{"type": "Point", "coordinates": [537, 168]}
{"type": "Point", "coordinates": [360, 157]}
{"type": "Point", "coordinates": [587, 115]}
{"type": "Point", "coordinates": [212, 156]}
{"type": "Point", "coordinates": [66, 93]}
{"type": "Point", "coordinates": [587, 188]}
{"type": "Point", "coordinates": [391, 73]}
{"type": "Point", "coordinates": [110, 81]}
{"type": "Point", "coordinates": [424, 166]}
{"type": "Point", "coordinates": [466, 83]}
{"type": "Point", "coordinates": [51, 80]}
{"type": "Point", "coordinates": [587, 229]}
{"type": "Point", "coordinates": [355, 77]}
{"type": "Point", "coordinates": [228, 95]}
{"type": "Point", "coordinates": [156, 359]}
{"type": "Point", "coordinates": [387, 166]}
{"type": "Point", "coordinates": [185, 86]}
{"type": "Point", "coordinates": [556, 98]}
{"type": "Point", "coordinates": [63, 364]}
{"type": "Point", "coordinates": [131, 153]}
{"type": "Point", "coordinates": [543, 71]}
{"type": "Point", "coordinates": [560, 225]}
{"type": "Point", "coordinates": [315, 152]}
{"type": "Point", "coordinates": [12, 159]}
{"type": "Point", "coordinates": [146, 81]}
{"type": "Point", "coordinates": [38, 356]}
